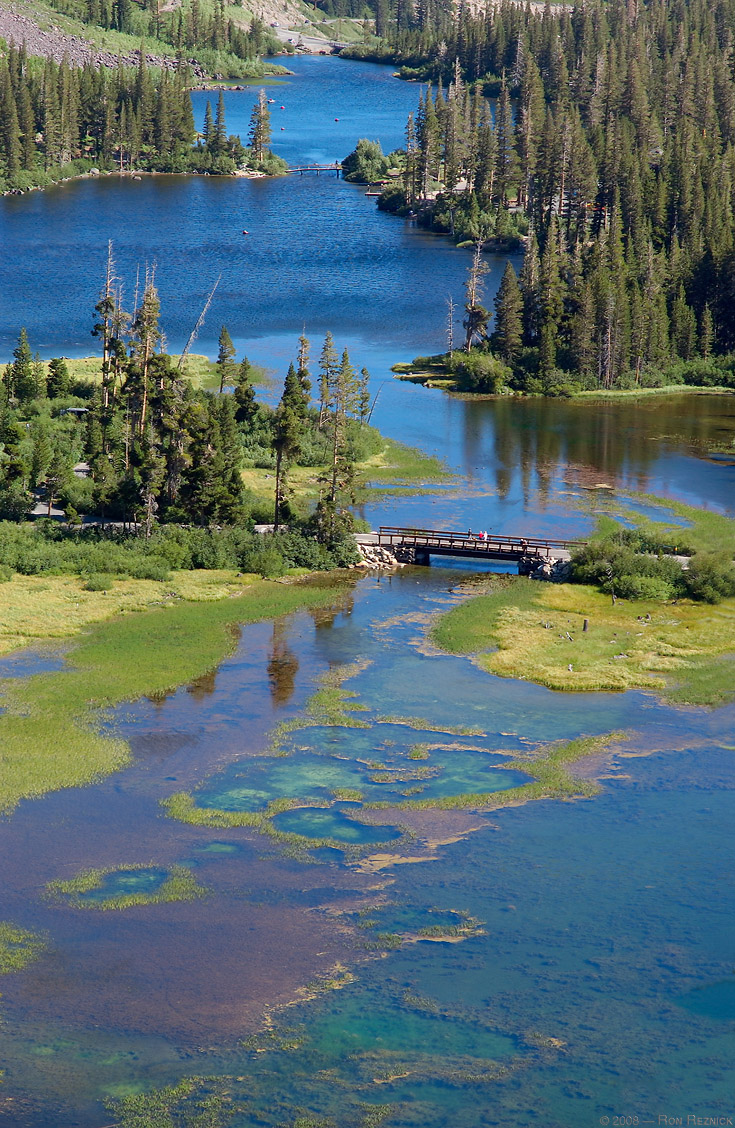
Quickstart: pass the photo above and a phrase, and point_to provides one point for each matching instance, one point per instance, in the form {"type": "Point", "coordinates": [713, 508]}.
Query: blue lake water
{"type": "Point", "coordinates": [597, 978]}
{"type": "Point", "coordinates": [319, 256]}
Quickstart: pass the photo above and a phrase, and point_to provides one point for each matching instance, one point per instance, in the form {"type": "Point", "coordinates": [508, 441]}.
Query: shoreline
{"type": "Point", "coordinates": [138, 174]}
{"type": "Point", "coordinates": [437, 381]}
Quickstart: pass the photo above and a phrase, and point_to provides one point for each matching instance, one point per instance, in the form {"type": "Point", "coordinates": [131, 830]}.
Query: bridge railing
{"type": "Point", "coordinates": [441, 539]}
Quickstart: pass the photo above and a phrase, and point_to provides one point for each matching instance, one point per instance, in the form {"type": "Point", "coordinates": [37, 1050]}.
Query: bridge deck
{"type": "Point", "coordinates": [492, 546]}
{"type": "Point", "coordinates": [336, 167]}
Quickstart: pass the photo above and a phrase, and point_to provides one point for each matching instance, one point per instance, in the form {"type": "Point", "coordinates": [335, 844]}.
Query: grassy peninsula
{"type": "Point", "coordinates": [523, 629]}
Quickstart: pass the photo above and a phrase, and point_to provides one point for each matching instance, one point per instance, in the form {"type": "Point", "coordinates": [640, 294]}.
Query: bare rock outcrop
{"type": "Point", "coordinates": [374, 556]}
{"type": "Point", "coordinates": [53, 43]}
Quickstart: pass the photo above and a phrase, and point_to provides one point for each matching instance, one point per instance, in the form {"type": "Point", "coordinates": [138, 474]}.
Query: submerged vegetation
{"type": "Point", "coordinates": [122, 887]}
{"type": "Point", "coordinates": [18, 947]}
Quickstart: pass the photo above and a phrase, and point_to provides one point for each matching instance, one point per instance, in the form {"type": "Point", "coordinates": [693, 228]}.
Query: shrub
{"type": "Point", "coordinates": [623, 564]}
{"type": "Point", "coordinates": [99, 581]}
{"type": "Point", "coordinates": [643, 587]}
{"type": "Point", "coordinates": [266, 560]}
{"type": "Point", "coordinates": [366, 163]}
{"type": "Point", "coordinates": [480, 372]}
{"type": "Point", "coordinates": [710, 577]}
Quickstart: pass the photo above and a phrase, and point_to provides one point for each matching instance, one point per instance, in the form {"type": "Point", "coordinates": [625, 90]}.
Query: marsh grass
{"type": "Point", "coordinates": [467, 628]}
{"type": "Point", "coordinates": [34, 609]}
{"type": "Point", "coordinates": [420, 724]}
{"type": "Point", "coordinates": [396, 468]}
{"type": "Point", "coordinates": [398, 464]}
{"type": "Point", "coordinates": [180, 885]}
{"type": "Point", "coordinates": [18, 947]}
{"type": "Point", "coordinates": [331, 705]}
{"type": "Point", "coordinates": [705, 531]}
{"type": "Point", "coordinates": [50, 730]}
{"type": "Point", "coordinates": [681, 650]}
{"type": "Point", "coordinates": [200, 371]}
{"type": "Point", "coordinates": [551, 780]}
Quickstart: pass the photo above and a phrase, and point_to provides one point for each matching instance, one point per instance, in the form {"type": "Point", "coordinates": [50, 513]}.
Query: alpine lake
{"type": "Point", "coordinates": [360, 944]}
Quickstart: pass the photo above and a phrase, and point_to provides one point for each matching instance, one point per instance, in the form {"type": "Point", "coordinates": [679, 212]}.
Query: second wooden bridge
{"type": "Point", "coordinates": [527, 552]}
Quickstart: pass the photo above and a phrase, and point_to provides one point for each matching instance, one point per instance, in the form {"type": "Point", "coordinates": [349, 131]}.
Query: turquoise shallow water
{"type": "Point", "coordinates": [123, 883]}
{"type": "Point", "coordinates": [592, 975]}
{"type": "Point", "coordinates": [377, 765]}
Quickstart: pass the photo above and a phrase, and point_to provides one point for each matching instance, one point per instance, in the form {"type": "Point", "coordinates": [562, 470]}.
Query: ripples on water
{"type": "Point", "coordinates": [319, 256]}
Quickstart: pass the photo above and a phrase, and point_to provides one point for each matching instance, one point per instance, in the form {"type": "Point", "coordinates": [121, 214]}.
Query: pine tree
{"type": "Point", "coordinates": [303, 369]}
{"type": "Point", "coordinates": [328, 365]}
{"type": "Point", "coordinates": [364, 395]}
{"type": "Point", "coordinates": [58, 380]}
{"type": "Point", "coordinates": [22, 378]}
{"type": "Point", "coordinates": [146, 336]}
{"type": "Point", "coordinates": [41, 456]}
{"type": "Point", "coordinates": [225, 359]}
{"type": "Point", "coordinates": [246, 406]}
{"type": "Point", "coordinates": [218, 135]}
{"type": "Point", "coordinates": [551, 301]}
{"type": "Point", "coordinates": [333, 517]}
{"type": "Point", "coordinates": [508, 336]}
{"type": "Point", "coordinates": [105, 309]}
{"type": "Point", "coordinates": [476, 316]}
{"type": "Point", "coordinates": [288, 436]}
{"type": "Point", "coordinates": [208, 127]}
{"type": "Point", "coordinates": [260, 128]}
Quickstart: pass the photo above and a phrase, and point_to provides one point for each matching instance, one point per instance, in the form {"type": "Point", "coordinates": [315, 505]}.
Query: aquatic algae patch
{"type": "Point", "coordinates": [394, 925]}
{"type": "Point", "coordinates": [536, 632]}
{"type": "Point", "coordinates": [194, 1100]}
{"type": "Point", "coordinates": [18, 947]}
{"type": "Point", "coordinates": [549, 779]}
{"type": "Point", "coordinates": [289, 822]}
{"type": "Point", "coordinates": [331, 705]}
{"type": "Point", "coordinates": [122, 887]}
{"type": "Point", "coordinates": [330, 824]}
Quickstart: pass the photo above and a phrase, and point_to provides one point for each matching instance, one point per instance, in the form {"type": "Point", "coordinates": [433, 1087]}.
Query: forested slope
{"type": "Point", "coordinates": [611, 151]}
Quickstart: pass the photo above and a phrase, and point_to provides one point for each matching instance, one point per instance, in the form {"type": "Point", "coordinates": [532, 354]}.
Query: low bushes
{"type": "Point", "coordinates": [631, 564]}
{"type": "Point", "coordinates": [48, 548]}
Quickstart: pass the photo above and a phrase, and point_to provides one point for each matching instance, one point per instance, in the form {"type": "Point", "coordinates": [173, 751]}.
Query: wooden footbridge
{"type": "Point", "coordinates": [527, 552]}
{"type": "Point", "coordinates": [336, 167]}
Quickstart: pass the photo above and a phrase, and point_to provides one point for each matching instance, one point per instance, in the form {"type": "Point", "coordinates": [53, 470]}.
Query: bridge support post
{"type": "Point", "coordinates": [422, 556]}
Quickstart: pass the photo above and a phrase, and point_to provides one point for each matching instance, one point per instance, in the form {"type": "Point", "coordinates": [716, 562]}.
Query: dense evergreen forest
{"type": "Point", "coordinates": [610, 154]}
{"type": "Point", "coordinates": [156, 461]}
{"type": "Point", "coordinates": [217, 41]}
{"type": "Point", "coordinates": [57, 120]}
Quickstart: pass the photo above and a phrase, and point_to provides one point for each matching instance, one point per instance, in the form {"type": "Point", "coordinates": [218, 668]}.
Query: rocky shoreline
{"type": "Point", "coordinates": [376, 557]}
